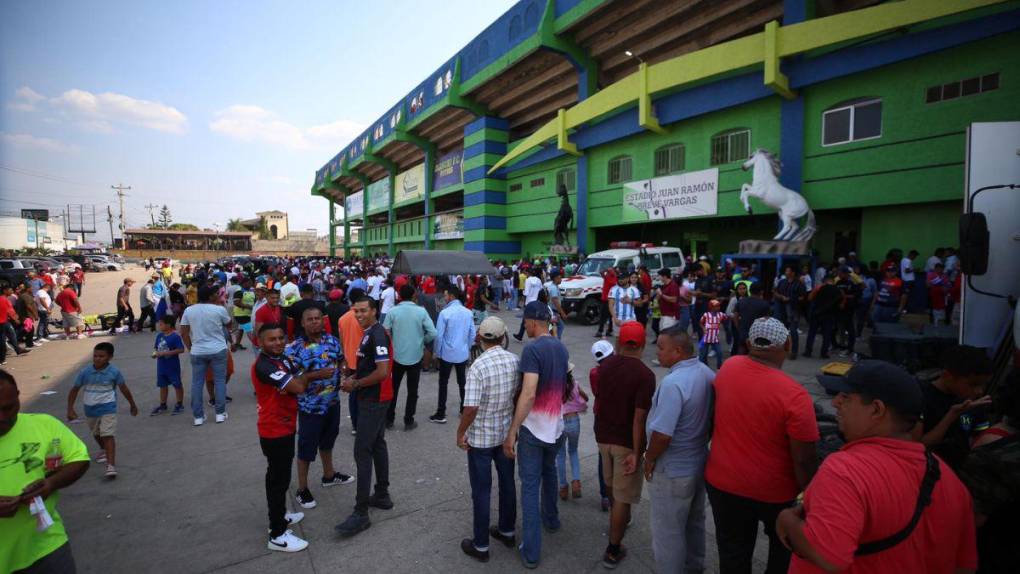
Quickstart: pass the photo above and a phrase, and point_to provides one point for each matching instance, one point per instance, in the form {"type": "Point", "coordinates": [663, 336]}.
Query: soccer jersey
{"type": "Point", "coordinates": [374, 348]}
{"type": "Point", "coordinates": [623, 298]}
{"type": "Point", "coordinates": [277, 409]}
{"type": "Point", "coordinates": [326, 354]}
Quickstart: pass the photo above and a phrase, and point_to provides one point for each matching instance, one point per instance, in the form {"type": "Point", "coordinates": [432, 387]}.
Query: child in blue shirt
{"type": "Point", "coordinates": [168, 349]}
{"type": "Point", "coordinates": [100, 382]}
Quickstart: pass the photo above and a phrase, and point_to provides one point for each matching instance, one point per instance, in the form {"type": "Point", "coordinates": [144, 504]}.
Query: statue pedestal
{"type": "Point", "coordinates": [562, 250]}
{"type": "Point", "coordinates": [770, 247]}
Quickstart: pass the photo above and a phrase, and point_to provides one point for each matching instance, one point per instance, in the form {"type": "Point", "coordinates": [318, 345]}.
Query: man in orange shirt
{"type": "Point", "coordinates": [763, 448]}
{"type": "Point", "coordinates": [882, 503]}
{"type": "Point", "coordinates": [350, 336]}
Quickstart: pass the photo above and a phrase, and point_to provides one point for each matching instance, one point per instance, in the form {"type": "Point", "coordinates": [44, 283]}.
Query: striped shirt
{"type": "Point", "coordinates": [491, 382]}
{"type": "Point", "coordinates": [624, 310]}
{"type": "Point", "coordinates": [711, 322]}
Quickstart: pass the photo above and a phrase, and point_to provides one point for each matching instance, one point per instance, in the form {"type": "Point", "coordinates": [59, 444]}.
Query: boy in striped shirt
{"type": "Point", "coordinates": [711, 322]}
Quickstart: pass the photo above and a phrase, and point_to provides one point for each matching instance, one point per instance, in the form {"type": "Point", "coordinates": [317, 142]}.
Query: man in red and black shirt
{"type": "Point", "coordinates": [278, 381]}
{"type": "Point", "coordinates": [373, 385]}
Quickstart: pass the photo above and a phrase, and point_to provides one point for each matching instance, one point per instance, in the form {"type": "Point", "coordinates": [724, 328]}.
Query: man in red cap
{"type": "Point", "coordinates": [624, 398]}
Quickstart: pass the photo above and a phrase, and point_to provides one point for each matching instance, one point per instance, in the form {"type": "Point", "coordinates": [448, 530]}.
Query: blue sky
{"type": "Point", "coordinates": [218, 109]}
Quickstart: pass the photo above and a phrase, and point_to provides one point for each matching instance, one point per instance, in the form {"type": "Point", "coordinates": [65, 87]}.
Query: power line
{"type": "Point", "coordinates": [43, 175]}
{"type": "Point", "coordinates": [150, 207]}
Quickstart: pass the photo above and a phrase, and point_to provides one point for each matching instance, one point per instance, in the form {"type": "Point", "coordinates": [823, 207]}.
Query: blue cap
{"type": "Point", "coordinates": [537, 310]}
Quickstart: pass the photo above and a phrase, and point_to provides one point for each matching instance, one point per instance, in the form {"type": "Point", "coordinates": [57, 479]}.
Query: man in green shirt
{"type": "Point", "coordinates": [39, 455]}
{"type": "Point", "coordinates": [410, 328]}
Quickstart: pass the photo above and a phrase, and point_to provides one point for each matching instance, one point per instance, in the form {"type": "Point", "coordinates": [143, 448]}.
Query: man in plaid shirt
{"type": "Point", "coordinates": [488, 410]}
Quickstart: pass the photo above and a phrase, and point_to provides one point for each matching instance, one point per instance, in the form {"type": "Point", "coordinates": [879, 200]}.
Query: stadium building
{"type": "Point", "coordinates": [646, 110]}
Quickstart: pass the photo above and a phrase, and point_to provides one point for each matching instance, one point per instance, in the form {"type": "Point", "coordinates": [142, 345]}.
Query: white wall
{"type": "Point", "coordinates": [15, 233]}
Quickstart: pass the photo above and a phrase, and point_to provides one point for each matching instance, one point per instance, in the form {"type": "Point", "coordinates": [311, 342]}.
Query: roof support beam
{"type": "Point", "coordinates": [774, 78]}
{"type": "Point", "coordinates": [587, 67]}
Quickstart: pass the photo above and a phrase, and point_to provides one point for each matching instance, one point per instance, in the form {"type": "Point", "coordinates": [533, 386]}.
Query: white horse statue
{"type": "Point", "coordinates": [790, 204]}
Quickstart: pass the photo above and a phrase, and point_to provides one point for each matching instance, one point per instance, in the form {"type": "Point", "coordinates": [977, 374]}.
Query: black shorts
{"type": "Point", "coordinates": [243, 320]}
{"type": "Point", "coordinates": [317, 432]}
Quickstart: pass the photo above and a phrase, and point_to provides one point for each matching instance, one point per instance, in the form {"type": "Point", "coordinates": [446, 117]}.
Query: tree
{"type": "Point", "coordinates": [264, 229]}
{"type": "Point", "coordinates": [164, 217]}
{"type": "Point", "coordinates": [235, 224]}
{"type": "Point", "coordinates": [183, 227]}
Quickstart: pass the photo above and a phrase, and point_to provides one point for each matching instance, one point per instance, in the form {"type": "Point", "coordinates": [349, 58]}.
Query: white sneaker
{"type": "Point", "coordinates": [101, 458]}
{"type": "Point", "coordinates": [294, 517]}
{"type": "Point", "coordinates": [199, 421]}
{"type": "Point", "coordinates": [221, 418]}
{"type": "Point", "coordinates": [287, 542]}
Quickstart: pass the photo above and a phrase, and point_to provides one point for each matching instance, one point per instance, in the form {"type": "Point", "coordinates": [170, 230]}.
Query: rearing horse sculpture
{"type": "Point", "coordinates": [790, 204]}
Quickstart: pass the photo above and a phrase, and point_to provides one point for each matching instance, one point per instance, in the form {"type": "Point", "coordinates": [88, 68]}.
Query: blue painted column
{"type": "Point", "coordinates": [791, 114]}
{"type": "Point", "coordinates": [485, 194]}
{"type": "Point", "coordinates": [430, 166]}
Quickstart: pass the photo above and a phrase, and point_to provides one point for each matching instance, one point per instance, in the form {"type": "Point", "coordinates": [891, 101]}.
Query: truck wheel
{"type": "Point", "coordinates": [590, 311]}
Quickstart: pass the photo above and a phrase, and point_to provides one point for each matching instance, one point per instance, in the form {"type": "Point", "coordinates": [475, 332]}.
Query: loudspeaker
{"type": "Point", "coordinates": [974, 240]}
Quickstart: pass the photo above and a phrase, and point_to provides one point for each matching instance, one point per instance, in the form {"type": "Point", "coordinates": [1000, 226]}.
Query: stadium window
{"type": "Point", "coordinates": [516, 186]}
{"type": "Point", "coordinates": [669, 159]}
{"type": "Point", "coordinates": [537, 182]}
{"type": "Point", "coordinates": [619, 170]}
{"type": "Point", "coordinates": [734, 145]}
{"type": "Point", "coordinates": [852, 121]}
{"type": "Point", "coordinates": [962, 88]}
{"type": "Point", "coordinates": [567, 177]}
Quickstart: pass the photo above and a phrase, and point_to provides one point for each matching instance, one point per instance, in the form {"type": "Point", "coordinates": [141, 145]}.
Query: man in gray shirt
{"type": "Point", "coordinates": [678, 430]}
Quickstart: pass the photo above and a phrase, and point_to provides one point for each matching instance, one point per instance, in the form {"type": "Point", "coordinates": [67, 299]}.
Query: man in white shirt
{"type": "Point", "coordinates": [907, 267]}
{"type": "Point", "coordinates": [202, 328]}
{"type": "Point", "coordinates": [935, 259]}
{"type": "Point", "coordinates": [621, 300]}
{"type": "Point", "coordinates": [43, 305]}
{"type": "Point", "coordinates": [387, 300]}
{"type": "Point", "coordinates": [289, 292]}
{"type": "Point", "coordinates": [374, 285]}
{"type": "Point", "coordinates": [532, 287]}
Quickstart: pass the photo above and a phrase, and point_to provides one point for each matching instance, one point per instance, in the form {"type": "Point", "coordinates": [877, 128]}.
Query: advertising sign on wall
{"type": "Point", "coordinates": [448, 226]}
{"type": "Point", "coordinates": [448, 170]}
{"type": "Point", "coordinates": [409, 185]}
{"type": "Point", "coordinates": [354, 205]}
{"type": "Point", "coordinates": [379, 194]}
{"type": "Point", "coordinates": [672, 197]}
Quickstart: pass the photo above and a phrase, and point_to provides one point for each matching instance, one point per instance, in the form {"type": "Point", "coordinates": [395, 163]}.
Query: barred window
{"type": "Point", "coordinates": [734, 145]}
{"type": "Point", "coordinates": [669, 159]}
{"type": "Point", "coordinates": [619, 170]}
{"type": "Point", "coordinates": [566, 177]}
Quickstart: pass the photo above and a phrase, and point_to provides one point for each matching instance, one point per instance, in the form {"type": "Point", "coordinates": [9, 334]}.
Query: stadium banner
{"type": "Point", "coordinates": [448, 226]}
{"type": "Point", "coordinates": [379, 195]}
{"type": "Point", "coordinates": [409, 185]}
{"type": "Point", "coordinates": [679, 196]}
{"type": "Point", "coordinates": [449, 170]}
{"type": "Point", "coordinates": [354, 205]}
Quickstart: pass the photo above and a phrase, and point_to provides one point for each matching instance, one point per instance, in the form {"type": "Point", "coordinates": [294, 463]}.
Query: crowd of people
{"type": "Point", "coordinates": [918, 486]}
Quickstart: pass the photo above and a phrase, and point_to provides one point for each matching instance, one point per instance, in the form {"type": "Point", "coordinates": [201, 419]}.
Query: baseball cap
{"type": "Point", "coordinates": [632, 333]}
{"type": "Point", "coordinates": [537, 310]}
{"type": "Point", "coordinates": [767, 332]}
{"type": "Point", "coordinates": [885, 381]}
{"type": "Point", "coordinates": [260, 285]}
{"type": "Point", "coordinates": [492, 328]}
{"type": "Point", "coordinates": [554, 273]}
{"type": "Point", "coordinates": [601, 349]}
{"type": "Point", "coordinates": [335, 294]}
{"type": "Point", "coordinates": [845, 269]}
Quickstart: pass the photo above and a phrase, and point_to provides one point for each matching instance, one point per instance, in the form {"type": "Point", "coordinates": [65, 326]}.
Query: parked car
{"type": "Point", "coordinates": [13, 272]}
{"type": "Point", "coordinates": [101, 263]}
{"type": "Point", "coordinates": [67, 261]}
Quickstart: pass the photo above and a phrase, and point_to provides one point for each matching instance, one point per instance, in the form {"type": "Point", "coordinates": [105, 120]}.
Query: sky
{"type": "Point", "coordinates": [217, 109]}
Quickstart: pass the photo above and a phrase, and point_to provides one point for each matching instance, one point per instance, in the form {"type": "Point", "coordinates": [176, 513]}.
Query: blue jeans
{"type": "Point", "coordinates": [536, 466]}
{"type": "Point", "coordinates": [685, 318]}
{"type": "Point", "coordinates": [703, 353]}
{"type": "Point", "coordinates": [42, 328]}
{"type": "Point", "coordinates": [513, 299]}
{"type": "Point", "coordinates": [480, 462]}
{"type": "Point", "coordinates": [572, 430]}
{"type": "Point", "coordinates": [883, 314]}
{"type": "Point", "coordinates": [199, 364]}
{"type": "Point", "coordinates": [561, 326]}
{"type": "Point", "coordinates": [497, 293]}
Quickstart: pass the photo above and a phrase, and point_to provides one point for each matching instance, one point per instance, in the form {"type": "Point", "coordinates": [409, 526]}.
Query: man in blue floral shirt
{"type": "Point", "coordinates": [319, 405]}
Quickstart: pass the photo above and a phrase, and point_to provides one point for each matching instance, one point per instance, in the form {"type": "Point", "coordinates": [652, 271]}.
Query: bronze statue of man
{"type": "Point", "coordinates": [564, 218]}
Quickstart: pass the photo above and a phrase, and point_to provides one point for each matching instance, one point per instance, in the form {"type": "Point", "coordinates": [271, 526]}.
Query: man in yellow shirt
{"type": "Point", "coordinates": [39, 456]}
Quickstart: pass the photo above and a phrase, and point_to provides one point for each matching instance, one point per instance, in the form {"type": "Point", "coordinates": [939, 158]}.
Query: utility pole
{"type": "Point", "coordinates": [120, 188]}
{"type": "Point", "coordinates": [150, 207]}
{"type": "Point", "coordinates": [109, 219]}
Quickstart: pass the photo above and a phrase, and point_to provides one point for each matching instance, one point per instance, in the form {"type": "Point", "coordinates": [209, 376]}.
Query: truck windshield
{"type": "Point", "coordinates": [594, 267]}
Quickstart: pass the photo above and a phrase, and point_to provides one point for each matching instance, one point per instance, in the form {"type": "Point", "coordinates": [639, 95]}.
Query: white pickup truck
{"type": "Point", "coordinates": [582, 292]}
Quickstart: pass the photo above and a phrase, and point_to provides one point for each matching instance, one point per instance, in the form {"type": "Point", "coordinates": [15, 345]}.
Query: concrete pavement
{"type": "Point", "coordinates": [192, 499]}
